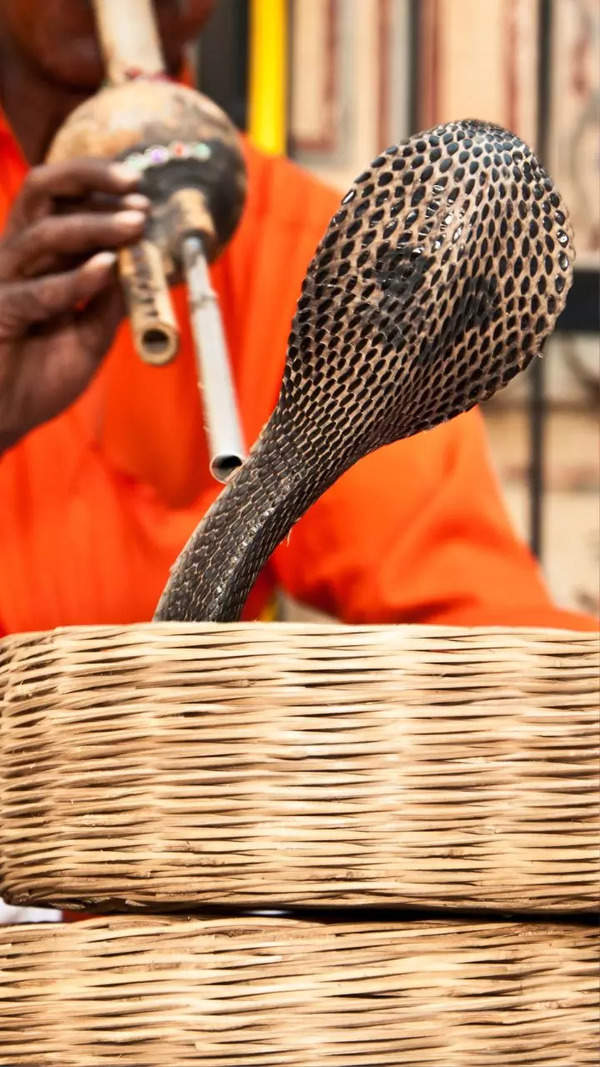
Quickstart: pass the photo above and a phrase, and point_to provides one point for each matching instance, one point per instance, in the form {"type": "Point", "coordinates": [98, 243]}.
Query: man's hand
{"type": "Point", "coordinates": [60, 302]}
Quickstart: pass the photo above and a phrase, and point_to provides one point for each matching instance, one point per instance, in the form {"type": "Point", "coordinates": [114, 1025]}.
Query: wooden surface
{"type": "Point", "coordinates": [143, 992]}
{"type": "Point", "coordinates": [171, 766]}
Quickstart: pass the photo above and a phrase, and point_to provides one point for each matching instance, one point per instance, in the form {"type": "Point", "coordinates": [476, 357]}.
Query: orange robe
{"type": "Point", "coordinates": [96, 504]}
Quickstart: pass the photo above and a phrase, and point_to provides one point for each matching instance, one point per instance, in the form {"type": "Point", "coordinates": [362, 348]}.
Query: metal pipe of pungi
{"type": "Point", "coordinates": [222, 418]}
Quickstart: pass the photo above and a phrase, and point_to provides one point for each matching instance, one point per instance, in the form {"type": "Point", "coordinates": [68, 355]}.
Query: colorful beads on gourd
{"type": "Point", "coordinates": [158, 154]}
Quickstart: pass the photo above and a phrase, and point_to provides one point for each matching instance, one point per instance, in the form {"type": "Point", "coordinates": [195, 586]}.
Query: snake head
{"type": "Point", "coordinates": [438, 279]}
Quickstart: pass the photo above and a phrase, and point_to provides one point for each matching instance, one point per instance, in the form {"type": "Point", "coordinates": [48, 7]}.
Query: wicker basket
{"type": "Point", "coordinates": [147, 992]}
{"type": "Point", "coordinates": [172, 766]}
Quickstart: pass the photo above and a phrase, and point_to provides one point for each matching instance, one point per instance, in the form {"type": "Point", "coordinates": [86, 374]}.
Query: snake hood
{"type": "Point", "coordinates": [438, 280]}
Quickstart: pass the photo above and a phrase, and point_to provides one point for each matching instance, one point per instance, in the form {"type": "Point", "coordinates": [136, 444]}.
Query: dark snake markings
{"type": "Point", "coordinates": [436, 282]}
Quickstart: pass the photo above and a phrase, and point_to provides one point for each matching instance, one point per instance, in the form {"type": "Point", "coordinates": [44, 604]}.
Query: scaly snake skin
{"type": "Point", "coordinates": [437, 281]}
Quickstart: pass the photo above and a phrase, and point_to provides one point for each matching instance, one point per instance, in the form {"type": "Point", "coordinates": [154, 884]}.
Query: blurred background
{"type": "Point", "coordinates": [332, 82]}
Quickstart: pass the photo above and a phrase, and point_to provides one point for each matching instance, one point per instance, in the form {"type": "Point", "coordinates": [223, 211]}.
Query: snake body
{"type": "Point", "coordinates": [437, 281]}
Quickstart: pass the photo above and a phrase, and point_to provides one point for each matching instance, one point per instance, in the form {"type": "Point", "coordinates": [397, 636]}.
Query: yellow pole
{"type": "Point", "coordinates": [267, 103]}
{"type": "Point", "coordinates": [267, 96]}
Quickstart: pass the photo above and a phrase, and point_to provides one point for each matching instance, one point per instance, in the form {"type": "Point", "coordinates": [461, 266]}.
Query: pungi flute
{"type": "Point", "coordinates": [188, 156]}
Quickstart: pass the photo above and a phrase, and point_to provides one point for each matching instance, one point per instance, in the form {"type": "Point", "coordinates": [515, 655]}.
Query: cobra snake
{"type": "Point", "coordinates": [438, 280]}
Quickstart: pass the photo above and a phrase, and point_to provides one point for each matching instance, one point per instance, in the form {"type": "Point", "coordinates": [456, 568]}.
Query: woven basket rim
{"type": "Point", "coordinates": [408, 629]}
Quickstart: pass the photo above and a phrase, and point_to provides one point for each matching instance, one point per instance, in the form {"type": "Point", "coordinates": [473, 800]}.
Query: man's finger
{"type": "Point", "coordinates": [72, 178]}
{"type": "Point", "coordinates": [102, 202]}
{"type": "Point", "coordinates": [55, 236]}
{"type": "Point", "coordinates": [28, 302]}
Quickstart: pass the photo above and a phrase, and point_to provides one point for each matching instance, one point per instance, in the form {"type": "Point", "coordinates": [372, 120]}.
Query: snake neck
{"type": "Point", "coordinates": [213, 575]}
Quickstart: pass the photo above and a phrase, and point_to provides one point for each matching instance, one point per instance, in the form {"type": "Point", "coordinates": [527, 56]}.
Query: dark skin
{"type": "Point", "coordinates": [60, 302]}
